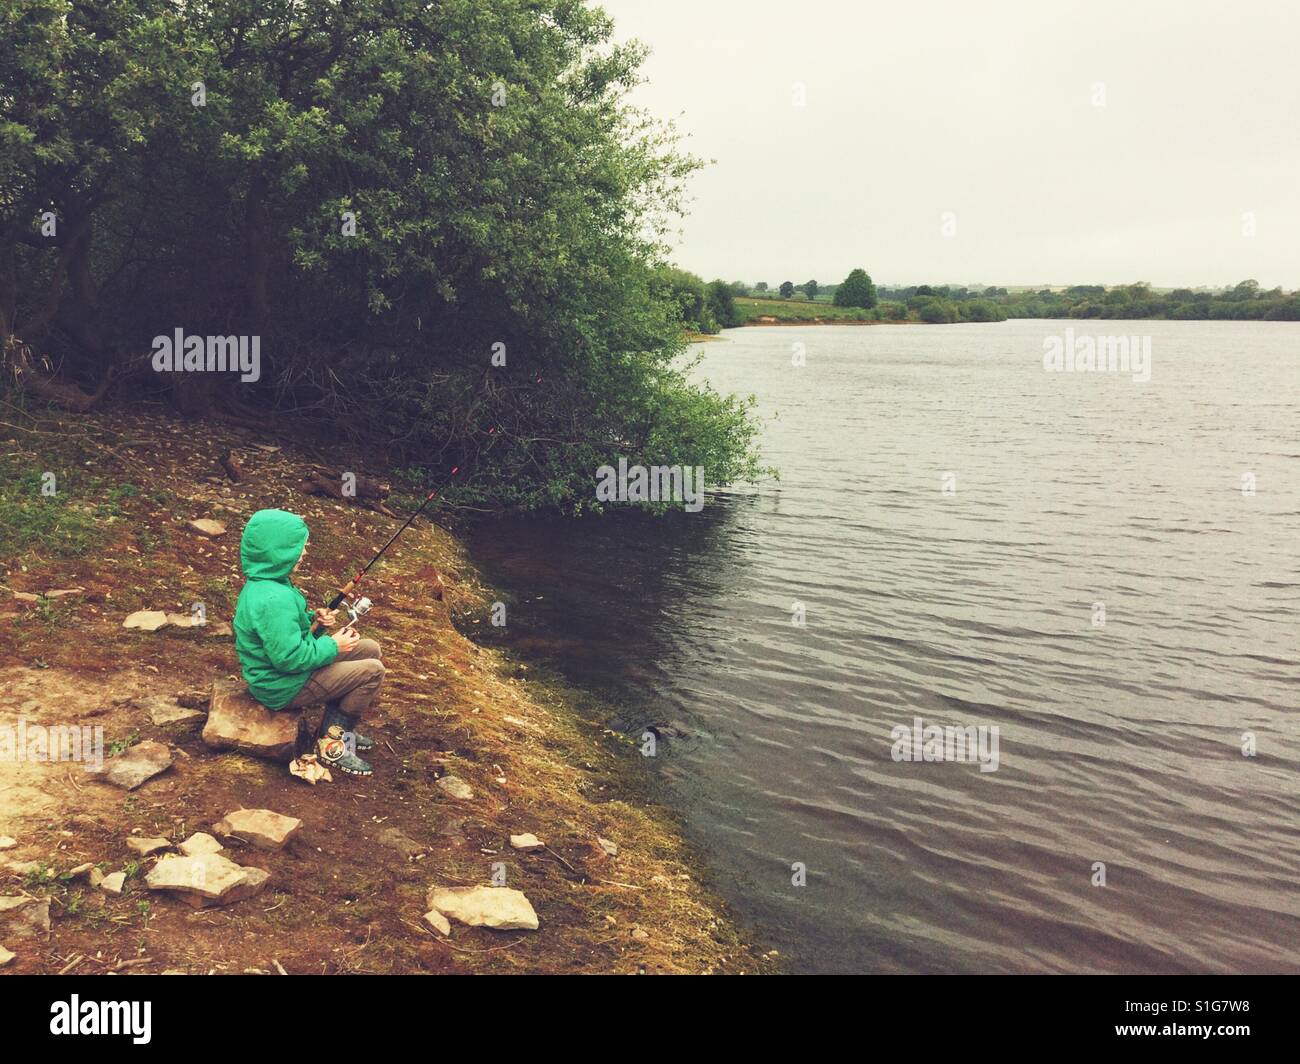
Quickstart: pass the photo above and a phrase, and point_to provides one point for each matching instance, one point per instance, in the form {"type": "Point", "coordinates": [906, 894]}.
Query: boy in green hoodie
{"type": "Point", "coordinates": [285, 664]}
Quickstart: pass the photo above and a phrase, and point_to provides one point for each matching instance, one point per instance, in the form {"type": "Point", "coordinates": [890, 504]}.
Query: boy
{"type": "Point", "coordinates": [284, 663]}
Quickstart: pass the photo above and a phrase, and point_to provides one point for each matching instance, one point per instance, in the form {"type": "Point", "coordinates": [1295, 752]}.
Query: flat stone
{"type": "Point", "coordinates": [26, 596]}
{"type": "Point", "coordinates": [79, 871]}
{"type": "Point", "coordinates": [403, 844]}
{"type": "Point", "coordinates": [146, 620]}
{"type": "Point", "coordinates": [207, 527]}
{"type": "Point", "coordinates": [527, 842]}
{"type": "Point", "coordinates": [7, 843]}
{"type": "Point", "coordinates": [64, 592]}
{"type": "Point", "coordinates": [207, 879]}
{"type": "Point", "coordinates": [164, 711]}
{"type": "Point", "coordinates": [500, 908]}
{"type": "Point", "coordinates": [200, 843]}
{"type": "Point", "coordinates": [22, 917]}
{"type": "Point", "coordinates": [438, 922]}
{"type": "Point", "coordinates": [5, 956]}
{"type": "Point", "coordinates": [182, 620]}
{"type": "Point", "coordinates": [219, 628]}
{"type": "Point", "coordinates": [23, 868]}
{"type": "Point", "coordinates": [237, 722]}
{"type": "Point", "coordinates": [455, 787]}
{"type": "Point", "coordinates": [144, 847]}
{"type": "Point", "coordinates": [113, 883]}
{"type": "Point", "coordinates": [264, 829]}
{"type": "Point", "coordinates": [138, 765]}
{"type": "Point", "coordinates": [610, 848]}
{"type": "Point", "coordinates": [96, 877]}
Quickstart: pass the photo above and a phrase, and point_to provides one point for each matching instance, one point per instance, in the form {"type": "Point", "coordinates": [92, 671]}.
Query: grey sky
{"type": "Point", "coordinates": [986, 111]}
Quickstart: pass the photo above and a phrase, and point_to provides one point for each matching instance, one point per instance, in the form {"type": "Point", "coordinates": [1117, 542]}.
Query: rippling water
{"type": "Point", "coordinates": [950, 515]}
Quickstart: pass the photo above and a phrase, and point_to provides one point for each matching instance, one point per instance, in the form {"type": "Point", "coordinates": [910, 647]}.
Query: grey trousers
{"type": "Point", "coordinates": [351, 681]}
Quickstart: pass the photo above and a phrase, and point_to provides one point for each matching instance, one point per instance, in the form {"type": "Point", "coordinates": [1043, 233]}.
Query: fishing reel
{"type": "Point", "coordinates": [357, 609]}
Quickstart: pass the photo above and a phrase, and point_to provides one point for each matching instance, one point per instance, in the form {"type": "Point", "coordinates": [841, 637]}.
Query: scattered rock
{"type": "Point", "coordinates": [403, 844]}
{"type": "Point", "coordinates": [5, 956]}
{"type": "Point", "coordinates": [113, 883]}
{"type": "Point", "coordinates": [64, 592]}
{"type": "Point", "coordinates": [162, 711]}
{"type": "Point", "coordinates": [7, 843]}
{"type": "Point", "coordinates": [138, 765]}
{"type": "Point", "coordinates": [23, 868]}
{"type": "Point", "coordinates": [438, 922]}
{"type": "Point", "coordinates": [198, 844]}
{"type": "Point", "coordinates": [206, 879]}
{"type": "Point", "coordinates": [500, 908]}
{"type": "Point", "coordinates": [193, 699]}
{"type": "Point", "coordinates": [455, 787]}
{"type": "Point", "coordinates": [182, 620]}
{"type": "Point", "coordinates": [146, 620]}
{"type": "Point", "coordinates": [639, 935]}
{"type": "Point", "coordinates": [80, 870]}
{"type": "Point", "coordinates": [22, 917]}
{"type": "Point", "coordinates": [264, 829]}
{"type": "Point", "coordinates": [219, 628]}
{"type": "Point", "coordinates": [527, 842]}
{"type": "Point", "coordinates": [206, 527]}
{"type": "Point", "coordinates": [144, 847]}
{"type": "Point", "coordinates": [96, 877]}
{"type": "Point", "coordinates": [237, 722]}
{"type": "Point", "coordinates": [610, 848]}
{"type": "Point", "coordinates": [26, 596]}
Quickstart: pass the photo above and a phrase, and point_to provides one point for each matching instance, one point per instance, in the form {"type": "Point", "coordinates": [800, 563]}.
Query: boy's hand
{"type": "Point", "coordinates": [347, 639]}
{"type": "Point", "coordinates": [326, 617]}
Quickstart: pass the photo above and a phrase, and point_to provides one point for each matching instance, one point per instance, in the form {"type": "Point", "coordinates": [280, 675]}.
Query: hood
{"type": "Point", "coordinates": [272, 544]}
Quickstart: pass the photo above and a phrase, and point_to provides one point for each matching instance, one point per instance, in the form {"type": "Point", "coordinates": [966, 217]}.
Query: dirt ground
{"type": "Point", "coordinates": [347, 893]}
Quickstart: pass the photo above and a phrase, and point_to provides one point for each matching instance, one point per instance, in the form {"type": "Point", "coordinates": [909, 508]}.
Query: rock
{"type": "Point", "coordinates": [237, 722]}
{"type": "Point", "coordinates": [5, 956]}
{"type": "Point", "coordinates": [403, 844]}
{"type": "Point", "coordinates": [7, 843]}
{"type": "Point", "coordinates": [79, 871]}
{"type": "Point", "coordinates": [206, 527]}
{"type": "Point", "coordinates": [182, 620]}
{"type": "Point", "coordinates": [96, 877]}
{"type": "Point", "coordinates": [64, 592]}
{"type": "Point", "coordinates": [527, 842]}
{"type": "Point", "coordinates": [23, 868]}
{"type": "Point", "coordinates": [113, 883]}
{"type": "Point", "coordinates": [206, 879]}
{"type": "Point", "coordinates": [219, 628]}
{"type": "Point", "coordinates": [26, 596]}
{"type": "Point", "coordinates": [138, 765]}
{"type": "Point", "coordinates": [639, 935]}
{"type": "Point", "coordinates": [455, 787]}
{"type": "Point", "coordinates": [264, 829]}
{"type": "Point", "coordinates": [610, 848]}
{"type": "Point", "coordinates": [146, 620]}
{"type": "Point", "coordinates": [144, 847]}
{"type": "Point", "coordinates": [500, 908]}
{"type": "Point", "coordinates": [198, 844]}
{"type": "Point", "coordinates": [162, 711]}
{"type": "Point", "coordinates": [438, 922]}
{"type": "Point", "coordinates": [22, 917]}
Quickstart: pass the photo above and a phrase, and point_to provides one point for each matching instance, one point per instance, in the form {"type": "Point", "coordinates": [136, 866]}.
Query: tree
{"type": "Point", "coordinates": [810, 287]}
{"type": "Point", "coordinates": [761, 286]}
{"type": "Point", "coordinates": [787, 289]}
{"type": "Point", "coordinates": [722, 304]}
{"type": "Point", "coordinates": [856, 290]}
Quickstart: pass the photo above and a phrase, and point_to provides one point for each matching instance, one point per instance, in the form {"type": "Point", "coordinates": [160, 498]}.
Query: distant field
{"type": "Point", "coordinates": [795, 310]}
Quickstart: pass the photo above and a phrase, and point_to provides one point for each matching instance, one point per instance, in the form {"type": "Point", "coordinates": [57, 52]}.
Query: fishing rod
{"type": "Point", "coordinates": [362, 605]}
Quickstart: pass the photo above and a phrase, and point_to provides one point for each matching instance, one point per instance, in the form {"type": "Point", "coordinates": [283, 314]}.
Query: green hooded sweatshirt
{"type": "Point", "coordinates": [273, 638]}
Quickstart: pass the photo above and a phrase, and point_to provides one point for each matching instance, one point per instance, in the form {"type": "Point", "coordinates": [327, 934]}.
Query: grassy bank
{"type": "Point", "coordinates": [347, 895]}
{"type": "Point", "coordinates": [752, 311]}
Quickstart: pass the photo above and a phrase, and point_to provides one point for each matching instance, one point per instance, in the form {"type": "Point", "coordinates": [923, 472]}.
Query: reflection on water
{"type": "Point", "coordinates": [1070, 558]}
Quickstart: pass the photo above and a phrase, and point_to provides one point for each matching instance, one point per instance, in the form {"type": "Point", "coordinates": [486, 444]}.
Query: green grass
{"type": "Point", "coordinates": [797, 309]}
{"type": "Point", "coordinates": [50, 524]}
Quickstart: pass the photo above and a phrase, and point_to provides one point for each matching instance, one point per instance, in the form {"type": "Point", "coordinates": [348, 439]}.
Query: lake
{"type": "Point", "coordinates": [1103, 569]}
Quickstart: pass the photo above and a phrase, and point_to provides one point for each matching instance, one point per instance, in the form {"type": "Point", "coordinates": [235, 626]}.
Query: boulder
{"type": "Point", "coordinates": [500, 908]}
{"type": "Point", "coordinates": [206, 879]}
{"type": "Point", "coordinates": [146, 620]}
{"type": "Point", "coordinates": [200, 843]}
{"type": "Point", "coordinates": [261, 827]}
{"type": "Point", "coordinates": [237, 722]}
{"type": "Point", "coordinates": [144, 847]}
{"type": "Point", "coordinates": [139, 764]}
{"type": "Point", "coordinates": [23, 917]}
{"type": "Point", "coordinates": [527, 842]}
{"type": "Point", "coordinates": [455, 787]}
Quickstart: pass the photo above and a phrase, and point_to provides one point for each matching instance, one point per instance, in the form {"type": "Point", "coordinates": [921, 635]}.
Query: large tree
{"type": "Point", "coordinates": [856, 290]}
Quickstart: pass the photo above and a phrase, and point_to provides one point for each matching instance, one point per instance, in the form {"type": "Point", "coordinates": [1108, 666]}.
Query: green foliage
{"type": "Point", "coordinates": [32, 522]}
{"type": "Point", "coordinates": [722, 304]}
{"type": "Point", "coordinates": [787, 289]}
{"type": "Point", "coordinates": [811, 289]}
{"type": "Point", "coordinates": [383, 191]}
{"type": "Point", "coordinates": [857, 290]}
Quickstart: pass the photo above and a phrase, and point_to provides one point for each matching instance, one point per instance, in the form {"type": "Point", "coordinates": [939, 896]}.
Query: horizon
{"type": "Point", "coordinates": [1095, 145]}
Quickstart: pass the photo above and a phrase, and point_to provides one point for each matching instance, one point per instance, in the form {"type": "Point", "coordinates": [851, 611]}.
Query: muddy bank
{"type": "Point", "coordinates": [614, 887]}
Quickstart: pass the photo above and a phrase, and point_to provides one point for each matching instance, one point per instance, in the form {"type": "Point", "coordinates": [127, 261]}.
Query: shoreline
{"type": "Point", "coordinates": [614, 889]}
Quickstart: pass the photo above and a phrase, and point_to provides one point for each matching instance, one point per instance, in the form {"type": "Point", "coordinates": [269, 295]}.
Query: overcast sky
{"type": "Point", "coordinates": [1070, 142]}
